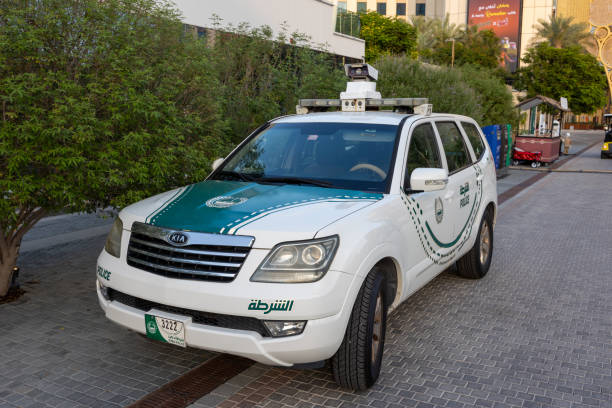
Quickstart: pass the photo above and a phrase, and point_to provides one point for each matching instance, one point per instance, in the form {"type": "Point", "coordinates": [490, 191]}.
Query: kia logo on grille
{"type": "Point", "coordinates": [178, 238]}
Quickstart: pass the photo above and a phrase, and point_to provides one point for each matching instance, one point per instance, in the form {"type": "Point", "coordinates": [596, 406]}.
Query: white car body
{"type": "Point", "coordinates": [395, 228]}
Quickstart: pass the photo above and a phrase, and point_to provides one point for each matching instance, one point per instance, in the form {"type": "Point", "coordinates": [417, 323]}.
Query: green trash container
{"type": "Point", "coordinates": [509, 144]}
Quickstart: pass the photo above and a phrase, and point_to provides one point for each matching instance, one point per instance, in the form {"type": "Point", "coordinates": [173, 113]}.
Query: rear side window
{"type": "Point", "coordinates": [423, 151]}
{"type": "Point", "coordinates": [456, 152]}
{"type": "Point", "coordinates": [475, 139]}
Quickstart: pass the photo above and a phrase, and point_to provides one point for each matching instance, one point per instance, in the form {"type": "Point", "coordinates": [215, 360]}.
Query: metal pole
{"type": "Point", "coordinates": [452, 52]}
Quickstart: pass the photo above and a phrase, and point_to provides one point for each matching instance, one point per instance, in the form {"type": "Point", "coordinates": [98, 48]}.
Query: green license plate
{"type": "Point", "coordinates": [165, 330]}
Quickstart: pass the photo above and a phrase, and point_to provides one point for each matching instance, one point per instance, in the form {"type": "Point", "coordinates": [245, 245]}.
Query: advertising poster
{"type": "Point", "coordinates": [503, 18]}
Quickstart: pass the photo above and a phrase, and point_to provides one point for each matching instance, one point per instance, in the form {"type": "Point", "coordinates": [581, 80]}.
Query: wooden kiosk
{"type": "Point", "coordinates": [543, 131]}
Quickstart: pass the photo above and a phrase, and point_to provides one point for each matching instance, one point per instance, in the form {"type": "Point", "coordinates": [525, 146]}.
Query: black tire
{"type": "Point", "coordinates": [353, 366]}
{"type": "Point", "coordinates": [470, 265]}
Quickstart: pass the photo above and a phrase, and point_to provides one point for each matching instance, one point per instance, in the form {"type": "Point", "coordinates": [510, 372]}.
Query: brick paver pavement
{"type": "Point", "coordinates": [58, 349]}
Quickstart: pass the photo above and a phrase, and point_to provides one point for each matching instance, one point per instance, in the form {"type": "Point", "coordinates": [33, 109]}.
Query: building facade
{"type": "Point", "coordinates": [403, 9]}
{"type": "Point", "coordinates": [314, 18]}
{"type": "Point", "coordinates": [463, 11]}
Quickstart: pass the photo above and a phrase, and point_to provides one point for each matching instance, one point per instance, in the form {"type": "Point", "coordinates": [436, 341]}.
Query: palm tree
{"type": "Point", "coordinates": [562, 32]}
{"type": "Point", "coordinates": [425, 32]}
{"type": "Point", "coordinates": [444, 30]}
{"type": "Point", "coordinates": [433, 33]}
{"type": "Point", "coordinates": [469, 33]}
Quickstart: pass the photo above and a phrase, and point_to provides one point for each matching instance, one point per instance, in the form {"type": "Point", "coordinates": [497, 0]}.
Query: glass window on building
{"type": "Point", "coordinates": [381, 8]}
{"type": "Point", "coordinates": [420, 9]}
{"type": "Point", "coordinates": [342, 7]}
{"type": "Point", "coordinates": [400, 9]}
{"type": "Point", "coordinates": [362, 6]}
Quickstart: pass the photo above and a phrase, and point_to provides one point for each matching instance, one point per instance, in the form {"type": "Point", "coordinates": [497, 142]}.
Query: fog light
{"type": "Point", "coordinates": [104, 291]}
{"type": "Point", "coordinates": [282, 329]}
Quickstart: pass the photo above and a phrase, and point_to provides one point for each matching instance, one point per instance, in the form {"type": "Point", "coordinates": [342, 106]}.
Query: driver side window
{"type": "Point", "coordinates": [422, 152]}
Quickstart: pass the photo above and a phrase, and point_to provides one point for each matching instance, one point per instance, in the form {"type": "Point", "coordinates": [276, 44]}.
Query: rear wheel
{"type": "Point", "coordinates": [475, 264]}
{"type": "Point", "coordinates": [356, 364]}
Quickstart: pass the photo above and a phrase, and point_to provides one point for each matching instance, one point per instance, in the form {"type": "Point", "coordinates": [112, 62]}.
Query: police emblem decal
{"type": "Point", "coordinates": [439, 209]}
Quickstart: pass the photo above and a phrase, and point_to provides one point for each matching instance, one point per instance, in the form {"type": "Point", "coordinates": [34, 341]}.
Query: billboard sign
{"type": "Point", "coordinates": [503, 18]}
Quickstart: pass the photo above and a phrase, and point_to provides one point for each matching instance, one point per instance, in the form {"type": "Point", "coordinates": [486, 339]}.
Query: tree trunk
{"type": "Point", "coordinates": [7, 263]}
{"type": "Point", "coordinates": [10, 241]}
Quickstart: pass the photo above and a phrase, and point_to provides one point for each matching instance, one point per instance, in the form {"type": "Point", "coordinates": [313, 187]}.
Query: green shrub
{"type": "Point", "coordinates": [387, 36]}
{"type": "Point", "coordinates": [471, 91]}
{"type": "Point", "coordinates": [262, 77]}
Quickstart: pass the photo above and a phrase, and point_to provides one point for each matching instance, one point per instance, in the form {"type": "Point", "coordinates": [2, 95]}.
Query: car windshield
{"type": "Point", "coordinates": [354, 156]}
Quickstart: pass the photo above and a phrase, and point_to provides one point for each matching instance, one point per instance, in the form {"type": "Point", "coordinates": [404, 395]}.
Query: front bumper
{"type": "Point", "coordinates": [321, 304]}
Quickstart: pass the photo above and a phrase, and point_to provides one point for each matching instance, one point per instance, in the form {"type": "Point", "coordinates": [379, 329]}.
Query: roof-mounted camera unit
{"type": "Point", "coordinates": [361, 72]}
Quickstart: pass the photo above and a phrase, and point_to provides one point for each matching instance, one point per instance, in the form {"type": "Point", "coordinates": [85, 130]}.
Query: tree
{"type": "Point", "coordinates": [426, 40]}
{"type": "Point", "coordinates": [102, 103]}
{"type": "Point", "coordinates": [473, 91]}
{"type": "Point", "coordinates": [386, 36]}
{"type": "Point", "coordinates": [433, 33]}
{"type": "Point", "coordinates": [473, 47]}
{"type": "Point", "coordinates": [444, 30]}
{"type": "Point", "coordinates": [565, 72]}
{"type": "Point", "coordinates": [562, 32]}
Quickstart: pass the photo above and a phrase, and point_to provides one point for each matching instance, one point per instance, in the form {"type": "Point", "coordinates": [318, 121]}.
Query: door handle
{"type": "Point", "coordinates": [449, 195]}
{"type": "Point", "coordinates": [480, 177]}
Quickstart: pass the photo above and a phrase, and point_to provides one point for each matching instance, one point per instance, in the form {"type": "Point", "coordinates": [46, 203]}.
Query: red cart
{"type": "Point", "coordinates": [519, 155]}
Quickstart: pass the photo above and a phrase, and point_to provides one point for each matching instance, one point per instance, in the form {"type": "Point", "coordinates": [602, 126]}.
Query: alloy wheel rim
{"type": "Point", "coordinates": [377, 328]}
{"type": "Point", "coordinates": [485, 243]}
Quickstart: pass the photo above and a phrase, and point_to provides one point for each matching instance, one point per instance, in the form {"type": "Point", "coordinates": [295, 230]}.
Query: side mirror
{"type": "Point", "coordinates": [217, 163]}
{"type": "Point", "coordinates": [427, 179]}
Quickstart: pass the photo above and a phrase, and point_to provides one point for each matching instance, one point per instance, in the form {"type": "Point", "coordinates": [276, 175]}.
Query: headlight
{"type": "Point", "coordinates": [604, 147]}
{"type": "Point", "coordinates": [113, 242]}
{"type": "Point", "coordinates": [297, 262]}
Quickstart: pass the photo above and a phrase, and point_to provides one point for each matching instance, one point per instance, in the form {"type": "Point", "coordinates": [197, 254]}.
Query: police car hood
{"type": "Point", "coordinates": [269, 212]}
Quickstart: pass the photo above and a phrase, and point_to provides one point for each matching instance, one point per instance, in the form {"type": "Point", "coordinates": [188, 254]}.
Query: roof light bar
{"type": "Point", "coordinates": [398, 104]}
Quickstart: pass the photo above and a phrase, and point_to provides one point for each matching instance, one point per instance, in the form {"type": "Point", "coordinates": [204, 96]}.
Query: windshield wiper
{"type": "Point", "coordinates": [236, 175]}
{"type": "Point", "coordinates": [293, 180]}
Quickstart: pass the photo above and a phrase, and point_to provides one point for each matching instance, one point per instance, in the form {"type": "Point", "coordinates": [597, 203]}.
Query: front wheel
{"type": "Point", "coordinates": [475, 264]}
{"type": "Point", "coordinates": [356, 364]}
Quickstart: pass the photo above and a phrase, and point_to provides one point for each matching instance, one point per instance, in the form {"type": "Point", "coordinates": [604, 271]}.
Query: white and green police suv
{"type": "Point", "coordinates": [300, 242]}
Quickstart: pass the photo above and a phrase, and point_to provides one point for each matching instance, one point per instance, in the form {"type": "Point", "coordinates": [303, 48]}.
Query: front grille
{"type": "Point", "coordinates": [208, 257]}
{"type": "Point", "coordinates": [209, 319]}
